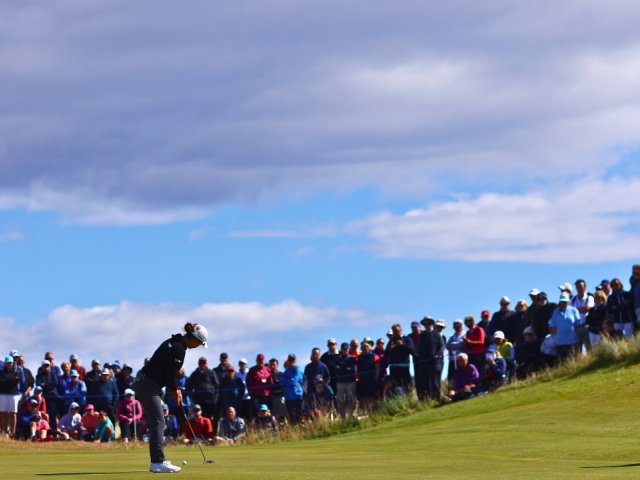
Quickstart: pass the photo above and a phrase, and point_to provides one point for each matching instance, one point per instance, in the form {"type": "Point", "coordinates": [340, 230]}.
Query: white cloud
{"type": "Point", "coordinates": [130, 332]}
{"type": "Point", "coordinates": [593, 221]}
{"type": "Point", "coordinates": [11, 235]}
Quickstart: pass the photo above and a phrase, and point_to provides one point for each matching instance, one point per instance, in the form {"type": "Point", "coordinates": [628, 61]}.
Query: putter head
{"type": "Point", "coordinates": [209, 460]}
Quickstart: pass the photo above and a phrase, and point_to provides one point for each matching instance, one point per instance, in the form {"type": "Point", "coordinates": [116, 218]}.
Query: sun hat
{"type": "Point", "coordinates": [441, 323]}
{"type": "Point", "coordinates": [505, 300]}
{"type": "Point", "coordinates": [427, 320]}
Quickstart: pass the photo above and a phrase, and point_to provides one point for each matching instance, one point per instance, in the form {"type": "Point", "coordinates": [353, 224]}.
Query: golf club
{"type": "Point", "coordinates": [204, 459]}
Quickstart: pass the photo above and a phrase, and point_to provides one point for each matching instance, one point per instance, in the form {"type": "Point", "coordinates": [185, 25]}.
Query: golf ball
{"type": "Point", "coordinates": [184, 462]}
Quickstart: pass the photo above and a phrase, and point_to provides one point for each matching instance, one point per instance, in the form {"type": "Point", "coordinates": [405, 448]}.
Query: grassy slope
{"type": "Point", "coordinates": [572, 427]}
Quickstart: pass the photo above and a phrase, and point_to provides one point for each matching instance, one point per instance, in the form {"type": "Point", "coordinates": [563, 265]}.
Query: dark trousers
{"type": "Point", "coordinates": [294, 410]}
{"type": "Point", "coordinates": [432, 379]}
{"type": "Point", "coordinates": [148, 392]}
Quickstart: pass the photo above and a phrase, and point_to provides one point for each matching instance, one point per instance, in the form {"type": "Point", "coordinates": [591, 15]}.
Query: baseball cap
{"type": "Point", "coordinates": [95, 361]}
{"type": "Point", "coordinates": [106, 371]}
{"type": "Point", "coordinates": [230, 368]}
{"type": "Point", "coordinates": [344, 345]}
{"type": "Point", "coordinates": [565, 287]}
{"type": "Point", "coordinates": [165, 406]}
{"type": "Point", "coordinates": [332, 341]}
{"type": "Point", "coordinates": [564, 298]}
{"type": "Point", "coordinates": [528, 331]}
{"type": "Point", "coordinates": [415, 324]}
{"type": "Point", "coordinates": [88, 407]}
{"type": "Point", "coordinates": [37, 389]}
{"type": "Point", "coordinates": [499, 334]}
{"type": "Point", "coordinates": [129, 391]}
{"type": "Point", "coordinates": [74, 405]}
{"type": "Point", "coordinates": [201, 333]}
{"type": "Point", "coordinates": [73, 356]}
{"type": "Point", "coordinates": [8, 359]}
{"type": "Point", "coordinates": [243, 361]}
{"type": "Point", "coordinates": [46, 362]}
{"type": "Point", "coordinates": [33, 401]}
{"type": "Point", "coordinates": [485, 313]}
{"type": "Point", "coordinates": [224, 356]}
{"type": "Point", "coordinates": [74, 373]}
{"type": "Point", "coordinates": [259, 357]}
{"type": "Point", "coordinates": [534, 292]}
{"type": "Point", "coordinates": [116, 364]}
{"type": "Point", "coordinates": [15, 353]}
{"type": "Point", "coordinates": [368, 340]}
{"type": "Point", "coordinates": [542, 295]}
{"type": "Point", "coordinates": [263, 407]}
{"type": "Point", "coordinates": [197, 407]}
{"type": "Point", "coordinates": [457, 321]}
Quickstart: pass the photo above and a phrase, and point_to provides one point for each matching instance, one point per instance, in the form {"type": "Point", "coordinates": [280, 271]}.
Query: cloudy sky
{"type": "Point", "coordinates": [283, 171]}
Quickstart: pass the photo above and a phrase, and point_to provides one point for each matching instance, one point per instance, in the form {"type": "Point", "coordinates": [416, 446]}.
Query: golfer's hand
{"type": "Point", "coordinates": [177, 396]}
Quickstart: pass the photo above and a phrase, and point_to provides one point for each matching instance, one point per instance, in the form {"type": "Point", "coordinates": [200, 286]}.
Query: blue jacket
{"type": "Point", "coordinates": [291, 381]}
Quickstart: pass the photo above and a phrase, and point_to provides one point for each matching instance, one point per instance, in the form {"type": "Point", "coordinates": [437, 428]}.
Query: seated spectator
{"type": "Point", "coordinates": [265, 421]}
{"type": "Point", "coordinates": [170, 425]}
{"type": "Point", "coordinates": [506, 349]}
{"type": "Point", "coordinates": [27, 410]}
{"type": "Point", "coordinates": [201, 426]}
{"type": "Point", "coordinates": [129, 413]}
{"type": "Point", "coordinates": [321, 401]}
{"type": "Point", "coordinates": [528, 356]}
{"type": "Point", "coordinates": [495, 370]}
{"type": "Point", "coordinates": [231, 429]}
{"type": "Point", "coordinates": [465, 379]}
{"type": "Point", "coordinates": [90, 421]}
{"type": "Point", "coordinates": [391, 388]}
{"type": "Point", "coordinates": [71, 422]}
{"type": "Point", "coordinates": [42, 403]}
{"type": "Point", "coordinates": [39, 427]}
{"type": "Point", "coordinates": [105, 431]}
{"type": "Point", "coordinates": [549, 350]}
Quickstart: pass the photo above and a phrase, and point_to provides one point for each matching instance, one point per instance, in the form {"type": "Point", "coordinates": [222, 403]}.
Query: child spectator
{"type": "Point", "coordinates": [39, 428]}
{"type": "Point", "coordinates": [90, 421]}
{"type": "Point", "coordinates": [104, 432]}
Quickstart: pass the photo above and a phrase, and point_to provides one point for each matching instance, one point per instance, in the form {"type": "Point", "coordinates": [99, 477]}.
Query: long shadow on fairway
{"type": "Point", "coordinates": [69, 474]}
{"type": "Point", "coordinates": [617, 466]}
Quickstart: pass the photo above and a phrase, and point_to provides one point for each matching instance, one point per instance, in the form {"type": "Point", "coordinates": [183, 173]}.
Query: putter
{"type": "Point", "coordinates": [204, 459]}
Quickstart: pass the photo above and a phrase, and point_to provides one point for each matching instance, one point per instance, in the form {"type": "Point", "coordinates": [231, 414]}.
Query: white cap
{"type": "Point", "coordinates": [243, 360]}
{"type": "Point", "coordinates": [534, 292]}
{"type": "Point", "coordinates": [129, 391]}
{"type": "Point", "coordinates": [566, 287]}
{"type": "Point", "coordinates": [499, 334]}
{"type": "Point", "coordinates": [200, 332]}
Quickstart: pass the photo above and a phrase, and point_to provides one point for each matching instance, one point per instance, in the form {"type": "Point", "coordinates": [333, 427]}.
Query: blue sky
{"type": "Point", "coordinates": [284, 171]}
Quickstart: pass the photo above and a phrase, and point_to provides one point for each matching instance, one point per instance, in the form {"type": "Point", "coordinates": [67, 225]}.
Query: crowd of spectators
{"type": "Point", "coordinates": [71, 402]}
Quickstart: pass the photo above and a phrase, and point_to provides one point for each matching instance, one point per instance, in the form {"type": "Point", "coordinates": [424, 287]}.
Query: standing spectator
{"type": "Point", "coordinates": [89, 422]}
{"type": "Point", "coordinates": [48, 356]}
{"type": "Point", "coordinates": [73, 390]}
{"type": "Point", "coordinates": [517, 323]}
{"type": "Point", "coordinates": [222, 366]}
{"type": "Point", "coordinates": [398, 352]}
{"type": "Point", "coordinates": [583, 301]}
{"type": "Point", "coordinates": [528, 356]}
{"type": "Point", "coordinates": [619, 308]}
{"type": "Point", "coordinates": [92, 378]}
{"type": "Point", "coordinates": [635, 290]}
{"type": "Point", "coordinates": [259, 382]}
{"type": "Point", "coordinates": [418, 374]}
{"type": "Point", "coordinates": [431, 353]}
{"type": "Point", "coordinates": [74, 361]}
{"type": "Point", "coordinates": [330, 359]}
{"type": "Point", "coordinates": [346, 381]}
{"type": "Point", "coordinates": [124, 379]}
{"type": "Point", "coordinates": [243, 370]}
{"type": "Point", "coordinates": [179, 411]}
{"type": "Point", "coordinates": [485, 316]}
{"type": "Point", "coordinates": [47, 380]}
{"type": "Point", "coordinates": [231, 428]}
{"type": "Point", "coordinates": [454, 345]}
{"type": "Point", "coordinates": [202, 387]}
{"type": "Point", "coordinates": [562, 325]}
{"type": "Point", "coordinates": [596, 317]}
{"type": "Point", "coordinates": [532, 308]}
{"type": "Point", "coordinates": [278, 408]}
{"type": "Point", "coordinates": [231, 390]}
{"type": "Point", "coordinates": [500, 320]}
{"type": "Point", "coordinates": [543, 312]}
{"type": "Point", "coordinates": [379, 351]}
{"type": "Point", "coordinates": [129, 413]}
{"type": "Point", "coordinates": [605, 286]}
{"type": "Point", "coordinates": [201, 426]}
{"type": "Point", "coordinates": [474, 342]}
{"type": "Point", "coordinates": [291, 380]}
{"type": "Point", "coordinates": [27, 381]}
{"type": "Point", "coordinates": [367, 387]}
{"type": "Point", "coordinates": [316, 371]}
{"type": "Point", "coordinates": [9, 397]}
{"type": "Point", "coordinates": [106, 395]}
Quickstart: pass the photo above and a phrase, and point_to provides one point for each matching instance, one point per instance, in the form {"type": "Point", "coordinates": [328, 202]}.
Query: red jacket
{"type": "Point", "coordinates": [259, 381]}
{"type": "Point", "coordinates": [201, 427]}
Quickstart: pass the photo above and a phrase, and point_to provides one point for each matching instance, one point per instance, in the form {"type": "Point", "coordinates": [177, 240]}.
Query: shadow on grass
{"type": "Point", "coordinates": [617, 466]}
{"type": "Point", "coordinates": [70, 474]}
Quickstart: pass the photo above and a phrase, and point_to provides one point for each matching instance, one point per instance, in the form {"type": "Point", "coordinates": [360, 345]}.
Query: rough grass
{"type": "Point", "coordinates": [575, 422]}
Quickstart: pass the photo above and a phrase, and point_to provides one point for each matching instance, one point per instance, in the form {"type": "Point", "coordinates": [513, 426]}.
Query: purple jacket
{"type": "Point", "coordinates": [467, 376]}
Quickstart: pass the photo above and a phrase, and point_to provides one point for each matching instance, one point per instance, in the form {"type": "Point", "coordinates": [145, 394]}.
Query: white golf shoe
{"type": "Point", "coordinates": [164, 467]}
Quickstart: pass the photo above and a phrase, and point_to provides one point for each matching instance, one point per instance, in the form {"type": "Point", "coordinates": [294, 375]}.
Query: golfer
{"type": "Point", "coordinates": [161, 371]}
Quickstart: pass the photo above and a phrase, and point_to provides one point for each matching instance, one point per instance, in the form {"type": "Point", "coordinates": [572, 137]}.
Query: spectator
{"type": "Point", "coordinates": [620, 310]}
{"type": "Point", "coordinates": [203, 388]}
{"type": "Point", "coordinates": [495, 367]}
{"type": "Point", "coordinates": [89, 422]}
{"type": "Point", "coordinates": [92, 378]}
{"type": "Point", "coordinates": [278, 408]}
{"type": "Point", "coordinates": [517, 323]}
{"type": "Point", "coordinates": [465, 380]}
{"type": "Point", "coordinates": [474, 342]}
{"type": "Point", "coordinates": [170, 425]}
{"type": "Point", "coordinates": [562, 325]}
{"type": "Point", "coordinates": [65, 367]}
{"type": "Point", "coordinates": [542, 315]}
{"type": "Point", "coordinates": [506, 351]}
{"type": "Point", "coordinates": [74, 361]}
{"type": "Point", "coordinates": [454, 345]}
{"type": "Point", "coordinates": [27, 382]}
{"type": "Point", "coordinates": [379, 350]}
{"type": "Point", "coordinates": [124, 379]}
{"type": "Point", "coordinates": [431, 354]}
{"type": "Point", "coordinates": [485, 316]}
{"type": "Point", "coordinates": [25, 413]}
{"type": "Point", "coordinates": [398, 352]}
{"type": "Point", "coordinates": [39, 427]}
{"type": "Point", "coordinates": [528, 356]}
{"type": "Point", "coordinates": [129, 413]}
{"type": "Point", "coordinates": [243, 370]}
{"type": "Point", "coordinates": [42, 403]}
{"type": "Point", "coordinates": [9, 397]}
{"type": "Point", "coordinates": [291, 380]}
{"type": "Point", "coordinates": [316, 371]}
{"type": "Point", "coordinates": [104, 432]}
{"type": "Point", "coordinates": [532, 308]}
{"type": "Point", "coordinates": [48, 356]}
{"type": "Point", "coordinates": [106, 395]}
{"type": "Point", "coordinates": [500, 320]}
{"type": "Point", "coordinates": [583, 302]}
{"type": "Point", "coordinates": [201, 426]}
{"type": "Point", "coordinates": [222, 366]}
{"type": "Point", "coordinates": [179, 411]}
{"type": "Point", "coordinates": [367, 387]}
{"type": "Point", "coordinates": [346, 394]}
{"type": "Point", "coordinates": [635, 290]}
{"type": "Point", "coordinates": [266, 421]}
{"type": "Point", "coordinates": [418, 374]}
{"type": "Point", "coordinates": [596, 317]}
{"type": "Point", "coordinates": [231, 389]}
{"type": "Point", "coordinates": [71, 422]}
{"type": "Point", "coordinates": [73, 390]}
{"type": "Point", "coordinates": [259, 382]}
{"type": "Point", "coordinates": [231, 428]}
{"type": "Point", "coordinates": [330, 359]}
{"type": "Point", "coordinates": [47, 380]}
{"type": "Point", "coordinates": [319, 402]}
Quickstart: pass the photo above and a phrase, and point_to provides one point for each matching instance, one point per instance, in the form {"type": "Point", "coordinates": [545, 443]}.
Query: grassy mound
{"type": "Point", "coordinates": [578, 421]}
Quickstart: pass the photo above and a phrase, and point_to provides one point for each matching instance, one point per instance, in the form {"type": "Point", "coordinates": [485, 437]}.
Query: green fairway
{"type": "Point", "coordinates": [582, 427]}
